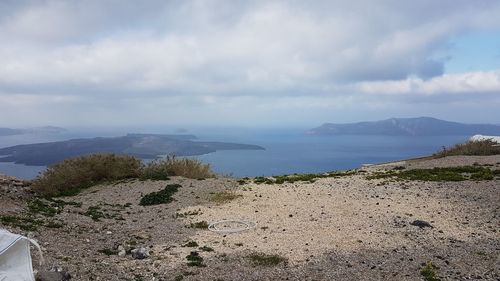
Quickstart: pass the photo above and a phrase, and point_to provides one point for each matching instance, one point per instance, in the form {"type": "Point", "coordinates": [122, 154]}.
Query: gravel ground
{"type": "Point", "coordinates": [346, 228]}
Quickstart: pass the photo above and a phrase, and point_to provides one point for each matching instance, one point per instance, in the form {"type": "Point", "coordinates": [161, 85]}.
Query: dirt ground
{"type": "Point", "coordinates": [345, 228]}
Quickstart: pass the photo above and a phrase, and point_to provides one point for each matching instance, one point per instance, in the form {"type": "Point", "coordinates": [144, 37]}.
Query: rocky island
{"type": "Point", "coordinates": [146, 146]}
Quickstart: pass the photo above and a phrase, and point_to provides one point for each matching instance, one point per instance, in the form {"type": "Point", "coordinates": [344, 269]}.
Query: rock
{"type": "Point", "coordinates": [140, 253]}
{"type": "Point", "coordinates": [421, 224]}
{"type": "Point", "coordinates": [121, 251]}
{"type": "Point", "coordinates": [54, 274]}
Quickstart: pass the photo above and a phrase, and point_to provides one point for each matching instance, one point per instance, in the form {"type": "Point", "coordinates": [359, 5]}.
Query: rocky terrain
{"type": "Point", "coordinates": [363, 225]}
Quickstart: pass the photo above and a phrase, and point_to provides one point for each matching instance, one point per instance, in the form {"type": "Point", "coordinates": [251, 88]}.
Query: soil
{"type": "Point", "coordinates": [345, 228]}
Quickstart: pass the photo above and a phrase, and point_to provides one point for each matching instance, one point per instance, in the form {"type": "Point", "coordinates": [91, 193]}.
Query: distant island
{"type": "Point", "coordinates": [36, 130]}
{"type": "Point", "coordinates": [146, 146]}
{"type": "Point", "coordinates": [421, 126]}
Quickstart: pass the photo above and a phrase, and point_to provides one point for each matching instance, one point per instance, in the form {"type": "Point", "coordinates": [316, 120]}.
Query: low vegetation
{"type": "Point", "coordinates": [71, 176]}
{"type": "Point", "coordinates": [199, 225]}
{"type": "Point", "coordinates": [224, 197]}
{"type": "Point", "coordinates": [261, 259]}
{"type": "Point", "coordinates": [300, 177]}
{"type": "Point", "coordinates": [172, 166]}
{"type": "Point", "coordinates": [194, 259]}
{"type": "Point", "coordinates": [440, 174]}
{"type": "Point", "coordinates": [160, 197]}
{"type": "Point", "coordinates": [38, 212]}
{"type": "Point", "coordinates": [429, 272]}
{"type": "Point", "coordinates": [190, 244]}
{"type": "Point", "coordinates": [481, 148]}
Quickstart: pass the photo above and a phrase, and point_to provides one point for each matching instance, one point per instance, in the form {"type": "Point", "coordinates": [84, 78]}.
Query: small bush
{"type": "Point", "coordinates": [481, 148]}
{"type": "Point", "coordinates": [161, 197]}
{"type": "Point", "coordinates": [199, 225]}
{"type": "Point", "coordinates": [429, 272]}
{"type": "Point", "coordinates": [172, 166]}
{"type": "Point", "coordinates": [71, 176]}
{"type": "Point", "coordinates": [261, 259]}
{"type": "Point", "coordinates": [194, 259]}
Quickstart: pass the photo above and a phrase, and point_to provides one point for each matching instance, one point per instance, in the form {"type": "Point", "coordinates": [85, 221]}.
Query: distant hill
{"type": "Point", "coordinates": [148, 146]}
{"type": "Point", "coordinates": [36, 130]}
{"type": "Point", "coordinates": [421, 126]}
{"type": "Point", "coordinates": [10, 132]}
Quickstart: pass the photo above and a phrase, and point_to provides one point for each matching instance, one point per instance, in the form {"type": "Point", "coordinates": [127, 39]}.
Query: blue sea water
{"type": "Point", "coordinates": [286, 151]}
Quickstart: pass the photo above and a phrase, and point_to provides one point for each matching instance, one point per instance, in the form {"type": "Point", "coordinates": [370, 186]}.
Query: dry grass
{"type": "Point", "coordinates": [224, 197]}
{"type": "Point", "coordinates": [172, 166]}
{"type": "Point", "coordinates": [480, 148]}
{"type": "Point", "coordinates": [73, 175]}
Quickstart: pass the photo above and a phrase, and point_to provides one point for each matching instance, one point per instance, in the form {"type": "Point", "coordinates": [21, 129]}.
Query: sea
{"type": "Point", "coordinates": [287, 151]}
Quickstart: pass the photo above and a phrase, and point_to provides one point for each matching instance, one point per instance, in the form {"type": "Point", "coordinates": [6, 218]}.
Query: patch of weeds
{"type": "Point", "coordinates": [224, 197]}
{"type": "Point", "coordinates": [190, 244]}
{"type": "Point", "coordinates": [43, 207]}
{"type": "Point", "coordinates": [199, 225]}
{"type": "Point", "coordinates": [24, 223]}
{"type": "Point", "coordinates": [108, 252]}
{"type": "Point", "coordinates": [206, 249]}
{"type": "Point", "coordinates": [179, 277]}
{"type": "Point", "coordinates": [95, 213]}
{"type": "Point", "coordinates": [259, 180]}
{"type": "Point", "coordinates": [188, 213]}
{"type": "Point", "coordinates": [301, 177]}
{"type": "Point", "coordinates": [429, 272]}
{"type": "Point", "coordinates": [49, 207]}
{"type": "Point", "coordinates": [440, 174]}
{"type": "Point", "coordinates": [160, 197]}
{"type": "Point", "coordinates": [241, 182]}
{"type": "Point", "coordinates": [53, 224]}
{"type": "Point", "coordinates": [105, 211]}
{"type": "Point", "coordinates": [29, 223]}
{"type": "Point", "coordinates": [261, 259]}
{"type": "Point", "coordinates": [194, 259]}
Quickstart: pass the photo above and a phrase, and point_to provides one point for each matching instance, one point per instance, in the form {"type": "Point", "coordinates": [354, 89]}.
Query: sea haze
{"type": "Point", "coordinates": [287, 151]}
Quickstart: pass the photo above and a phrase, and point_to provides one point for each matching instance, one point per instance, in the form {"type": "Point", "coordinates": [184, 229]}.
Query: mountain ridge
{"type": "Point", "coordinates": [419, 126]}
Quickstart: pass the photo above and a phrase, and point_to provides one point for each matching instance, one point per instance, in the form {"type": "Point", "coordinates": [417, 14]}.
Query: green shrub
{"type": "Point", "coordinates": [160, 197]}
{"type": "Point", "coordinates": [172, 166]}
{"type": "Point", "coordinates": [429, 272]}
{"type": "Point", "coordinates": [301, 177]}
{"type": "Point", "coordinates": [439, 174]}
{"type": "Point", "coordinates": [484, 147]}
{"type": "Point", "coordinates": [71, 176]}
{"type": "Point", "coordinates": [194, 259]}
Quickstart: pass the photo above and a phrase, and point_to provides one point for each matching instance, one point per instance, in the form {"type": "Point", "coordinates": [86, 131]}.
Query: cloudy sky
{"type": "Point", "coordinates": [247, 63]}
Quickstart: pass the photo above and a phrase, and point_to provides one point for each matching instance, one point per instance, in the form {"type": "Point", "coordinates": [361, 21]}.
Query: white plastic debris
{"type": "Point", "coordinates": [15, 257]}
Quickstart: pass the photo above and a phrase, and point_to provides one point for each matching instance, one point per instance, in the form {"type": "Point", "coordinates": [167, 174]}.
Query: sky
{"type": "Point", "coordinates": [247, 63]}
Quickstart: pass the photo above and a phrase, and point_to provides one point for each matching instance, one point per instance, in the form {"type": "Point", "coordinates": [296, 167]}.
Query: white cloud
{"type": "Point", "coordinates": [466, 83]}
{"type": "Point", "coordinates": [272, 55]}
